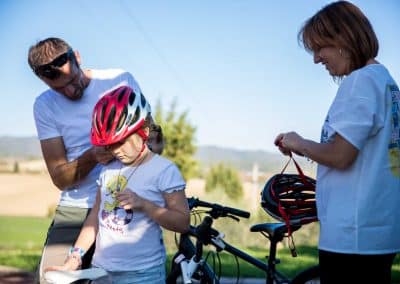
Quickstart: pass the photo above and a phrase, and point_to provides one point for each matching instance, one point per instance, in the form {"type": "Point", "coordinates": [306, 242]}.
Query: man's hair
{"type": "Point", "coordinates": [343, 25]}
{"type": "Point", "coordinates": [45, 51]}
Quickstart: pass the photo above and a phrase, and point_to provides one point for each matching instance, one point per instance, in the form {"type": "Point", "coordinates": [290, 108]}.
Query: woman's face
{"type": "Point", "coordinates": [336, 60]}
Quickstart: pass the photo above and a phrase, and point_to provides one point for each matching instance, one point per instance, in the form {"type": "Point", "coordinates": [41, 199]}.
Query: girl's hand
{"type": "Point", "coordinates": [130, 200]}
{"type": "Point", "coordinates": [73, 262]}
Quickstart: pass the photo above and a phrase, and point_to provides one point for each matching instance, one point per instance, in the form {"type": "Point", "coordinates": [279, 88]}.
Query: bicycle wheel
{"type": "Point", "coordinates": [308, 276]}
{"type": "Point", "coordinates": [203, 275]}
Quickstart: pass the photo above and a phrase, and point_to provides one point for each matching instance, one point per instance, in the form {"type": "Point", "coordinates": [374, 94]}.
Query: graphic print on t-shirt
{"type": "Point", "coordinates": [394, 145]}
{"type": "Point", "coordinates": [113, 216]}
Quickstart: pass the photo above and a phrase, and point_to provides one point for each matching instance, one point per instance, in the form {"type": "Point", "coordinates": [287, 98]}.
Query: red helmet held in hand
{"type": "Point", "coordinates": [290, 198]}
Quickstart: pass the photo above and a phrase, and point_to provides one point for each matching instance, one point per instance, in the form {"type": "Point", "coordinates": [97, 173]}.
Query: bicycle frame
{"type": "Point", "coordinates": [189, 264]}
{"type": "Point", "coordinates": [190, 256]}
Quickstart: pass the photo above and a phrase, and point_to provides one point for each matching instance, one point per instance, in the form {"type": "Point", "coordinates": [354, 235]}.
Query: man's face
{"type": "Point", "coordinates": [70, 82]}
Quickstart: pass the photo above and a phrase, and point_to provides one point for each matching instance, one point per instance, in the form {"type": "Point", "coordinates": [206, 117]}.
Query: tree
{"type": "Point", "coordinates": [226, 178]}
{"type": "Point", "coordinates": [179, 139]}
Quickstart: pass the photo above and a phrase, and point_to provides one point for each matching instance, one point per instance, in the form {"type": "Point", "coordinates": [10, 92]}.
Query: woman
{"type": "Point", "coordinates": [358, 177]}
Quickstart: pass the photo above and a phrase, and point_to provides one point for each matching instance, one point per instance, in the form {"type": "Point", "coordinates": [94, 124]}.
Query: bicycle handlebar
{"type": "Point", "coordinates": [217, 209]}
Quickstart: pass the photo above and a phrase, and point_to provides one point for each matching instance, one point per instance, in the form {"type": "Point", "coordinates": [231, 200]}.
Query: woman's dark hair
{"type": "Point", "coordinates": [343, 25]}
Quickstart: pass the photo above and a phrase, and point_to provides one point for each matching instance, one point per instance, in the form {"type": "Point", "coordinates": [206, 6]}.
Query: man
{"type": "Point", "coordinates": [63, 120]}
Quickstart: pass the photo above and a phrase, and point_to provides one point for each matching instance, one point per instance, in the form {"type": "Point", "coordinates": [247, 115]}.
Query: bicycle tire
{"type": "Point", "coordinates": [174, 273]}
{"type": "Point", "coordinates": [310, 275]}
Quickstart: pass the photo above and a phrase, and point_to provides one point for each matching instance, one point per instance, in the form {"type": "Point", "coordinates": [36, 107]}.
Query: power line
{"type": "Point", "coordinates": [126, 9]}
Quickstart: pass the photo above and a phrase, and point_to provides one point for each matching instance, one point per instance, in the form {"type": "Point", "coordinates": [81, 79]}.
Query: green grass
{"type": "Point", "coordinates": [21, 241]}
{"type": "Point", "coordinates": [289, 266]}
{"type": "Point", "coordinates": [22, 238]}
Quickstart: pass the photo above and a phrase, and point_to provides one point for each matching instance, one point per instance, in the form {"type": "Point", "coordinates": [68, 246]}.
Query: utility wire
{"type": "Point", "coordinates": [126, 9]}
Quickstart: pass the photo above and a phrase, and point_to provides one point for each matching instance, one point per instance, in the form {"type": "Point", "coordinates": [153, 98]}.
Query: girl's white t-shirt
{"type": "Point", "coordinates": [359, 208]}
{"type": "Point", "coordinates": [131, 241]}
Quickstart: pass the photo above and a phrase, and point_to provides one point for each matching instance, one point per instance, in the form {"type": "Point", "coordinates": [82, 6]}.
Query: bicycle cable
{"type": "Point", "coordinates": [213, 254]}
{"type": "Point", "coordinates": [237, 269]}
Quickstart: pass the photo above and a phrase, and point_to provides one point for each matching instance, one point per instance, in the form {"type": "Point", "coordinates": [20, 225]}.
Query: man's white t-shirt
{"type": "Point", "coordinates": [130, 241]}
{"type": "Point", "coordinates": [359, 208]}
{"type": "Point", "coordinates": [57, 116]}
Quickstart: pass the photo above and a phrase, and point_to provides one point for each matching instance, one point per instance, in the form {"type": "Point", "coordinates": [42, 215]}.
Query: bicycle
{"type": "Point", "coordinates": [189, 266]}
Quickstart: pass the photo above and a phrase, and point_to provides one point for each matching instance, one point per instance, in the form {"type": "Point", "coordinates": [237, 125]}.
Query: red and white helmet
{"type": "Point", "coordinates": [117, 115]}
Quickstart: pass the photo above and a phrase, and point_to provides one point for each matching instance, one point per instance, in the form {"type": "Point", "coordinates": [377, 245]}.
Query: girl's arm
{"type": "Point", "coordinates": [175, 216]}
{"type": "Point", "coordinates": [89, 230]}
{"type": "Point", "coordinates": [86, 238]}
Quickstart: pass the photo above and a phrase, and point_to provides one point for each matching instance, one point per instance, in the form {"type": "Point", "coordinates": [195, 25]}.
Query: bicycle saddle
{"type": "Point", "coordinates": [66, 277]}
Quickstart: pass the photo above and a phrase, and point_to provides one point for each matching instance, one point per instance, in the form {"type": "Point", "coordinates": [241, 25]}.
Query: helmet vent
{"type": "Point", "coordinates": [110, 119]}
{"type": "Point", "coordinates": [142, 100]}
{"type": "Point", "coordinates": [120, 96]}
{"type": "Point", "coordinates": [96, 124]}
{"type": "Point", "coordinates": [122, 118]}
{"type": "Point", "coordinates": [103, 110]}
{"type": "Point", "coordinates": [132, 96]}
{"type": "Point", "coordinates": [135, 116]}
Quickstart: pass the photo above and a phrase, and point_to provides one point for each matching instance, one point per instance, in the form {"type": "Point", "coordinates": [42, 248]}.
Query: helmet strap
{"type": "Point", "coordinates": [144, 136]}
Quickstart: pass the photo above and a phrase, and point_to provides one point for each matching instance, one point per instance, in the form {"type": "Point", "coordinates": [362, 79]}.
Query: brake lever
{"type": "Point", "coordinates": [233, 217]}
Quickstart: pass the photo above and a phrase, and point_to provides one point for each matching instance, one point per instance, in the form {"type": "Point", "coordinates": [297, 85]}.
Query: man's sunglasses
{"type": "Point", "coordinates": [51, 70]}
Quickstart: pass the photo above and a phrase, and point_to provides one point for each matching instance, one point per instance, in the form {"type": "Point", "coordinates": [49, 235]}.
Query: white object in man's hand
{"type": "Point", "coordinates": [66, 277]}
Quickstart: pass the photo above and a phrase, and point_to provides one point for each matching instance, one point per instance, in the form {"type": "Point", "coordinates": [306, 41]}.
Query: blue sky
{"type": "Point", "coordinates": [234, 66]}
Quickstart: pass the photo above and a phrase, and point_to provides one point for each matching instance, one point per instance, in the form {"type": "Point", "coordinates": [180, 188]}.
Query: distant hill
{"type": "Point", "coordinates": [29, 148]}
{"type": "Point", "coordinates": [241, 159]}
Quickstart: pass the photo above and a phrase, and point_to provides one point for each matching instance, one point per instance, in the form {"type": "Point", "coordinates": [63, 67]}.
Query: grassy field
{"type": "Point", "coordinates": [21, 241]}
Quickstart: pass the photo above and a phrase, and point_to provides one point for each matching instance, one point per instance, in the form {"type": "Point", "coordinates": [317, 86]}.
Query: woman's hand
{"type": "Point", "coordinates": [289, 142]}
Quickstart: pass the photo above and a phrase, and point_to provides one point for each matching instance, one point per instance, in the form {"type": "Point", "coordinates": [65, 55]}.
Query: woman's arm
{"type": "Point", "coordinates": [338, 154]}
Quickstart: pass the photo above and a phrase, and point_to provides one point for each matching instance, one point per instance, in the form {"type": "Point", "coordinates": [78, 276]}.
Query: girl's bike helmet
{"type": "Point", "coordinates": [118, 114]}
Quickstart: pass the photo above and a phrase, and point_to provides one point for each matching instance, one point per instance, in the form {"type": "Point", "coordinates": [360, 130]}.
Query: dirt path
{"type": "Point", "coordinates": [10, 275]}
{"type": "Point", "coordinates": [27, 194]}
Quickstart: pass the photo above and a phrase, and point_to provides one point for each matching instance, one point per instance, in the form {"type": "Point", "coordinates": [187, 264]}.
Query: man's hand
{"type": "Point", "coordinates": [102, 155]}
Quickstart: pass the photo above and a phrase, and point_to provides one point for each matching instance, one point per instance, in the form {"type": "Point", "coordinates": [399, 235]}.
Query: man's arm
{"type": "Point", "coordinates": [64, 173]}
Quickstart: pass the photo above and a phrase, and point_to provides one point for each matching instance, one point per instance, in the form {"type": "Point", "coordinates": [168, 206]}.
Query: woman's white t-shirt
{"type": "Point", "coordinates": [359, 208]}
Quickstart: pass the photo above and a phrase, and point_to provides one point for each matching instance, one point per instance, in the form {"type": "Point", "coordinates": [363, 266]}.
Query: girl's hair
{"type": "Point", "coordinates": [156, 137]}
{"type": "Point", "coordinates": [343, 25]}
